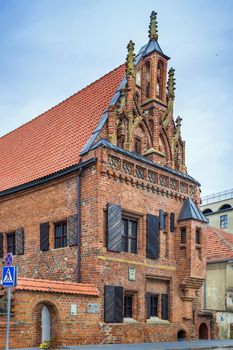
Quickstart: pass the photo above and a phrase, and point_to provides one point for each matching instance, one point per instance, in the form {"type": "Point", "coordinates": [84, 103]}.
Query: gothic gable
{"type": "Point", "coordinates": [142, 119]}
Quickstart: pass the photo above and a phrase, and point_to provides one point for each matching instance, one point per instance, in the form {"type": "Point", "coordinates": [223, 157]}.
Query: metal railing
{"type": "Point", "coordinates": [217, 197]}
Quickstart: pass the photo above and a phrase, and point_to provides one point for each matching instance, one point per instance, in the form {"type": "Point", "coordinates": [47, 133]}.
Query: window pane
{"type": "Point", "coordinates": [58, 231]}
{"type": "Point", "coordinates": [132, 245]}
{"type": "Point", "coordinates": [154, 305]}
{"type": "Point", "coordinates": [223, 221]}
{"type": "Point", "coordinates": [128, 302]}
{"type": "Point", "coordinates": [132, 229]}
{"type": "Point", "coordinates": [183, 235]}
{"type": "Point", "coordinates": [198, 236]}
{"type": "Point", "coordinates": [11, 243]}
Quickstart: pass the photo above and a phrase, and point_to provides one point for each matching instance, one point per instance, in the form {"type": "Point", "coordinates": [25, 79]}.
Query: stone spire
{"type": "Point", "coordinates": [130, 60]}
{"type": "Point", "coordinates": [153, 28]}
{"type": "Point", "coordinates": [171, 84]}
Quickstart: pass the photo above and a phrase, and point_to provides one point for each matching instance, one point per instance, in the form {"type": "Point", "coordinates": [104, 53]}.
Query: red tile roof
{"type": "Point", "coordinates": [38, 285]}
{"type": "Point", "coordinates": [219, 245]}
{"type": "Point", "coordinates": [52, 141]}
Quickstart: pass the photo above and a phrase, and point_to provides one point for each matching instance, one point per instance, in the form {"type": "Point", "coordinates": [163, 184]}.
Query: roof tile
{"type": "Point", "coordinates": [39, 285]}
{"type": "Point", "coordinates": [219, 245]}
{"type": "Point", "coordinates": [52, 141]}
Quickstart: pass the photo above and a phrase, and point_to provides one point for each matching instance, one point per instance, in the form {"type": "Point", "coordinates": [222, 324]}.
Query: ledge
{"type": "Point", "coordinates": [157, 320]}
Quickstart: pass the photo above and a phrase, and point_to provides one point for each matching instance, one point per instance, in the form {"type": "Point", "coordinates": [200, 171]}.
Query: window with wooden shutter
{"type": "Point", "coordinates": [19, 241]}
{"type": "Point", "coordinates": [114, 227]}
{"type": "Point", "coordinates": [152, 236]}
{"type": "Point", "coordinates": [165, 306]}
{"type": "Point", "coordinates": [172, 222]}
{"type": "Point", "coordinates": [113, 304]}
{"type": "Point", "coordinates": [60, 235]}
{"type": "Point", "coordinates": [1, 245]}
{"type": "Point", "coordinates": [11, 243]}
{"type": "Point", "coordinates": [44, 236]}
{"type": "Point", "coordinates": [72, 230]}
{"type": "Point", "coordinates": [162, 220]}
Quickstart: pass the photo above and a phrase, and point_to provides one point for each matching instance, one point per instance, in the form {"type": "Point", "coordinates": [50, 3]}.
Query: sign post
{"type": "Point", "coordinates": [9, 279]}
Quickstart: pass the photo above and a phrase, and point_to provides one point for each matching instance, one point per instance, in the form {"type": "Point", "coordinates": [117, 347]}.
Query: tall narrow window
{"type": "Point", "coordinates": [154, 305]}
{"type": "Point", "coordinates": [223, 221]}
{"type": "Point", "coordinates": [138, 145]}
{"type": "Point", "coordinates": [60, 235]}
{"type": "Point", "coordinates": [147, 79]}
{"type": "Point", "coordinates": [183, 235]}
{"type": "Point", "coordinates": [138, 78]}
{"type": "Point", "coordinates": [128, 306]}
{"type": "Point", "coordinates": [159, 80]}
{"type": "Point", "coordinates": [198, 236]}
{"type": "Point", "coordinates": [129, 236]}
{"type": "Point", "coordinates": [11, 243]}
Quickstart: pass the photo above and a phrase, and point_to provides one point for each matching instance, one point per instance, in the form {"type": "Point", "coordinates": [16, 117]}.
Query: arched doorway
{"type": "Point", "coordinates": [45, 325]}
{"type": "Point", "coordinates": [203, 331]}
{"type": "Point", "coordinates": [181, 335]}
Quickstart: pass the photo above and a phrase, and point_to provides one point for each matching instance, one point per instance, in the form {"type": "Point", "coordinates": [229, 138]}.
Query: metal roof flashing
{"type": "Point", "coordinates": [190, 211]}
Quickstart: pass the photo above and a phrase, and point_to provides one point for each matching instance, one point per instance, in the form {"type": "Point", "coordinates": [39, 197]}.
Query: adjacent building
{"type": "Point", "coordinates": [101, 216]}
{"type": "Point", "coordinates": [218, 296]}
{"type": "Point", "coordinates": [218, 209]}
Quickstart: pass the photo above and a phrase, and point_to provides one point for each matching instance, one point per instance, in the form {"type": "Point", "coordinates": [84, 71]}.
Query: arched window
{"type": "Point", "coordinates": [138, 78]}
{"type": "Point", "coordinates": [159, 80]}
{"type": "Point", "coordinates": [147, 79]}
{"type": "Point", "coordinates": [225, 206]}
{"type": "Point", "coordinates": [207, 211]}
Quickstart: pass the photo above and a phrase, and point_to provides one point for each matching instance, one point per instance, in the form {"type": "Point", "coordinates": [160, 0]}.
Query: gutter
{"type": "Point", "coordinates": [230, 260]}
{"type": "Point", "coordinates": [45, 179]}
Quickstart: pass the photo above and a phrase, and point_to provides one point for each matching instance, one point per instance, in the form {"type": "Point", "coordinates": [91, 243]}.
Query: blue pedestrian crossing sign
{"type": "Point", "coordinates": [9, 276]}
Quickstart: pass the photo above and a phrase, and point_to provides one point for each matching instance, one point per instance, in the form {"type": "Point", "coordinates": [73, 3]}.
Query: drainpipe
{"type": "Point", "coordinates": [79, 226]}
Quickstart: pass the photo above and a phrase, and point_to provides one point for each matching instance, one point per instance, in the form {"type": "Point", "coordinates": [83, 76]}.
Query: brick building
{"type": "Point", "coordinates": [101, 215]}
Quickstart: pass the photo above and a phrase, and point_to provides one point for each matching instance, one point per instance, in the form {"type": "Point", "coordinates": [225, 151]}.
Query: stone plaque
{"type": "Point", "coordinates": [93, 308]}
{"type": "Point", "coordinates": [73, 309]}
{"type": "Point", "coordinates": [132, 274]}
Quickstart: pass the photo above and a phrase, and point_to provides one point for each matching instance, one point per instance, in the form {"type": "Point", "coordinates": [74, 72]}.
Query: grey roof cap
{"type": "Point", "coordinates": [151, 46]}
{"type": "Point", "coordinates": [190, 211]}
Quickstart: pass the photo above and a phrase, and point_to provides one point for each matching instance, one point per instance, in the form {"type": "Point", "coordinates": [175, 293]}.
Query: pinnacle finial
{"type": "Point", "coordinates": [153, 27]}
{"type": "Point", "coordinates": [171, 84]}
{"type": "Point", "coordinates": [130, 67]}
{"type": "Point", "coordinates": [178, 126]}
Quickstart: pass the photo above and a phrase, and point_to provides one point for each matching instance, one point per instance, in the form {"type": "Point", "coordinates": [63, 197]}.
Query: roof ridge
{"type": "Point", "coordinates": [58, 104]}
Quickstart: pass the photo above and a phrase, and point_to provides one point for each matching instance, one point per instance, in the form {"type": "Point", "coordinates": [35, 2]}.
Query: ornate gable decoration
{"type": "Point", "coordinates": [142, 119]}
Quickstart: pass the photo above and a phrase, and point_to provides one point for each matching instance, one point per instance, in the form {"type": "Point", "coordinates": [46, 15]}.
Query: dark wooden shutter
{"type": "Point", "coordinates": [172, 222]}
{"type": "Point", "coordinates": [114, 225]}
{"type": "Point", "coordinates": [165, 306]}
{"type": "Point", "coordinates": [119, 302]}
{"type": "Point", "coordinates": [161, 220]}
{"type": "Point", "coordinates": [19, 241]}
{"type": "Point", "coordinates": [148, 305]}
{"type": "Point", "coordinates": [113, 304]}
{"type": "Point", "coordinates": [1, 245]}
{"type": "Point", "coordinates": [44, 236]}
{"type": "Point", "coordinates": [152, 236]}
{"type": "Point", "coordinates": [72, 230]}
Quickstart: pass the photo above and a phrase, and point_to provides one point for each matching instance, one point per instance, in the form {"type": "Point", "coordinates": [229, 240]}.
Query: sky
{"type": "Point", "coordinates": [50, 49]}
